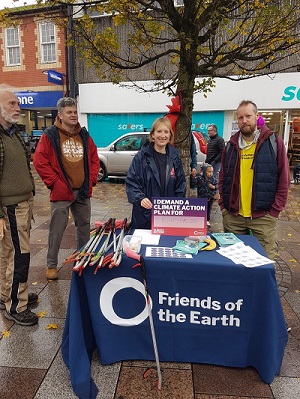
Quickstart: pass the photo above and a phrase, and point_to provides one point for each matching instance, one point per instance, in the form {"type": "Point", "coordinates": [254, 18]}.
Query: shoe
{"type": "Point", "coordinates": [293, 181]}
{"type": "Point", "coordinates": [51, 274]}
{"type": "Point", "coordinates": [25, 318]}
{"type": "Point", "coordinates": [207, 224]}
{"type": "Point", "coordinates": [32, 298]}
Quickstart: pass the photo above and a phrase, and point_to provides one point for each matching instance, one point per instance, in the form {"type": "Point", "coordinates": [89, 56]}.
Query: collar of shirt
{"type": "Point", "coordinates": [10, 130]}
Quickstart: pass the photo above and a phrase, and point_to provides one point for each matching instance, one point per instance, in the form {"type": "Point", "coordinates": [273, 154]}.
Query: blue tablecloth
{"type": "Point", "coordinates": [205, 309]}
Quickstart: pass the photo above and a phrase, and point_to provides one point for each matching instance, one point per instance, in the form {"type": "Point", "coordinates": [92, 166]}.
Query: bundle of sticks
{"type": "Point", "coordinates": [109, 235]}
{"type": "Point", "coordinates": [96, 251]}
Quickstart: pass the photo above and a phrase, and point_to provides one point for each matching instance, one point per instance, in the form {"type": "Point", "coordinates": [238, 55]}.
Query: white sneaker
{"type": "Point", "coordinates": [207, 224]}
{"type": "Point", "coordinates": [293, 181]}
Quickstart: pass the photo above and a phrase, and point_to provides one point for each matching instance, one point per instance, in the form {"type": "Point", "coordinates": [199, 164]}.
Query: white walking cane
{"type": "Point", "coordinates": [134, 255]}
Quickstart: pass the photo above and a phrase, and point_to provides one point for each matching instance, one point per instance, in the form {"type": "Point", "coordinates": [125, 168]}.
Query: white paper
{"type": "Point", "coordinates": [243, 254]}
{"type": "Point", "coordinates": [147, 237]}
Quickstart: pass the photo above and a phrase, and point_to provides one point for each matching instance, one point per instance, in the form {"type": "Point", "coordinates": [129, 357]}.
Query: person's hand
{"type": "Point", "coordinates": [146, 203]}
{"type": "Point", "coordinates": [193, 172]}
{"type": "Point", "coordinates": [2, 228]}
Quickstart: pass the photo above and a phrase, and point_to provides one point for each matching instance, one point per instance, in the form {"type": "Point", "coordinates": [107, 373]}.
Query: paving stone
{"type": "Point", "coordinates": [31, 366]}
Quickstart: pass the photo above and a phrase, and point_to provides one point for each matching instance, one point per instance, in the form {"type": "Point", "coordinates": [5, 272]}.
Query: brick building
{"type": "Point", "coordinates": [33, 60]}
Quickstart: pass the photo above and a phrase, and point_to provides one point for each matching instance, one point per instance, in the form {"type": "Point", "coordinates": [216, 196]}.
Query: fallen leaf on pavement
{"type": "Point", "coordinates": [42, 313]}
{"type": "Point", "coordinates": [51, 326]}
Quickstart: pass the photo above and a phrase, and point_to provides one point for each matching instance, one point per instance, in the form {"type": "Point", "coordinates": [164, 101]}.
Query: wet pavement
{"type": "Point", "coordinates": [30, 359]}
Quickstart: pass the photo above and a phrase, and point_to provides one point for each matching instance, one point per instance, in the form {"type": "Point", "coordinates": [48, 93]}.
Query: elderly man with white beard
{"type": "Point", "coordinates": [16, 202]}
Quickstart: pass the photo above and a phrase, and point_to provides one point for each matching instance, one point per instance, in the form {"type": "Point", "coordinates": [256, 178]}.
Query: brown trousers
{"type": "Point", "coordinates": [263, 228]}
{"type": "Point", "coordinates": [15, 256]}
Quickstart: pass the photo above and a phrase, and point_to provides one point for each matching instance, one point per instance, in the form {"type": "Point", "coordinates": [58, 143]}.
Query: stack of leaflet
{"type": "Point", "coordinates": [225, 239]}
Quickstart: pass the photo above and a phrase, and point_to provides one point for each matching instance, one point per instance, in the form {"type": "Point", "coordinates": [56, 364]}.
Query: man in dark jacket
{"type": "Point", "coordinates": [215, 147]}
{"type": "Point", "coordinates": [16, 202]}
{"type": "Point", "coordinates": [254, 180]}
{"type": "Point", "coordinates": [67, 161]}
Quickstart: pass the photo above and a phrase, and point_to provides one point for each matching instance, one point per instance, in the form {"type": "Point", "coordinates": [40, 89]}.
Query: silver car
{"type": "Point", "coordinates": [116, 158]}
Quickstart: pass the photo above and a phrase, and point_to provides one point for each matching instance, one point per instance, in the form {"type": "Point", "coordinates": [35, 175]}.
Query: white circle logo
{"type": "Point", "coordinates": [106, 300]}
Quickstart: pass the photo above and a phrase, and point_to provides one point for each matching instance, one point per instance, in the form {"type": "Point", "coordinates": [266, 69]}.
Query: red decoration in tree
{"type": "Point", "coordinates": [174, 111]}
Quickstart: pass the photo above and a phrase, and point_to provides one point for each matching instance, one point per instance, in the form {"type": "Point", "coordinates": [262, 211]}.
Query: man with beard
{"type": "Point", "coordinates": [254, 180]}
{"type": "Point", "coordinates": [16, 201]}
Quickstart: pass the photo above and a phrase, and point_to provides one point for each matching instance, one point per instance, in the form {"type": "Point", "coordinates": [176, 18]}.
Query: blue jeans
{"type": "Point", "coordinates": [217, 167]}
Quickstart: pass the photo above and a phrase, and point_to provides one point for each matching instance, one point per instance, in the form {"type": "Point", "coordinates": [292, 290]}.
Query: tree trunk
{"type": "Point", "coordinates": [185, 89]}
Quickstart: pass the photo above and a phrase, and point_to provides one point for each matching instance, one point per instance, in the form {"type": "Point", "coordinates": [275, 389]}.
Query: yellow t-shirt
{"type": "Point", "coordinates": [246, 180]}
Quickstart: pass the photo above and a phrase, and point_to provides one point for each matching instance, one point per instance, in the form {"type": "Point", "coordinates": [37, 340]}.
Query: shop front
{"type": "Point", "coordinates": [38, 110]}
{"type": "Point", "coordinates": [105, 128]}
{"type": "Point", "coordinates": [113, 109]}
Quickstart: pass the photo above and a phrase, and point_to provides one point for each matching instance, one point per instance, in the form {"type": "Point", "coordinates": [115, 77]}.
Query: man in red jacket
{"type": "Point", "coordinates": [67, 161]}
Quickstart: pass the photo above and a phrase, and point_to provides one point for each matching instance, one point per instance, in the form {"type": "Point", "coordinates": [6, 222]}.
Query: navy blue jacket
{"type": "Point", "coordinates": [270, 180]}
{"type": "Point", "coordinates": [203, 189]}
{"type": "Point", "coordinates": [143, 182]}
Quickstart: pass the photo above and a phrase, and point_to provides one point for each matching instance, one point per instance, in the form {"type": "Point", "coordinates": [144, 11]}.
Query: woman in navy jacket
{"type": "Point", "coordinates": [155, 171]}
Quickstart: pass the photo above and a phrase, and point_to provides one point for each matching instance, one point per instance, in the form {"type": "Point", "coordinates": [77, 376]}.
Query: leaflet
{"type": "Point", "coordinates": [243, 254]}
{"type": "Point", "coordinates": [225, 239]}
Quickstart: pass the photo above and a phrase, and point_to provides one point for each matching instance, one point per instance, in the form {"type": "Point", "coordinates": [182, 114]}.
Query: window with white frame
{"type": "Point", "coordinates": [12, 41]}
{"type": "Point", "coordinates": [47, 40]}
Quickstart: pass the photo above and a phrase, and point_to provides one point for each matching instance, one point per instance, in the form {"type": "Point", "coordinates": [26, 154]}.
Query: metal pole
{"type": "Point", "coordinates": [71, 73]}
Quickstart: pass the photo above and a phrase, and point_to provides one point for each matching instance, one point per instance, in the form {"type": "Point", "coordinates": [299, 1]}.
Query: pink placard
{"type": "Point", "coordinates": [179, 216]}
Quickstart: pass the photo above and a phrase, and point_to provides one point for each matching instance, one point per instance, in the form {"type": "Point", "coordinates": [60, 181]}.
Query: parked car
{"type": "Point", "coordinates": [116, 158]}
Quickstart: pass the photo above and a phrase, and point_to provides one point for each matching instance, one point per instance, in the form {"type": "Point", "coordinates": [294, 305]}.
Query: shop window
{"type": "Point", "coordinates": [294, 144]}
{"type": "Point", "coordinates": [47, 40]}
{"type": "Point", "coordinates": [12, 41]}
